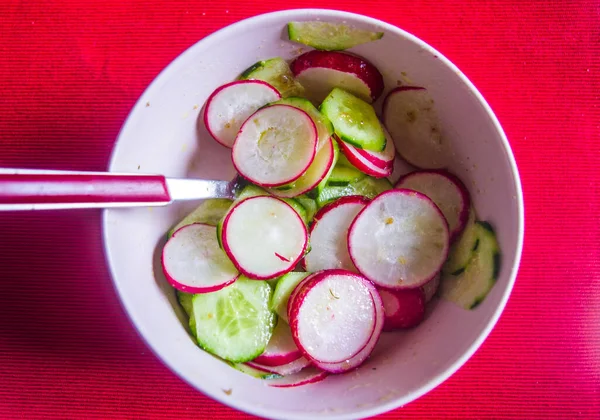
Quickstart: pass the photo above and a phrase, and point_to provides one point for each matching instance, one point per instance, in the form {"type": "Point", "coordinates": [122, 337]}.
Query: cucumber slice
{"type": "Point", "coordinates": [324, 126]}
{"type": "Point", "coordinates": [329, 36]}
{"type": "Point", "coordinates": [462, 250]}
{"type": "Point", "coordinates": [354, 120]}
{"type": "Point", "coordinates": [277, 73]}
{"type": "Point", "coordinates": [258, 374]}
{"type": "Point", "coordinates": [185, 300]}
{"type": "Point", "coordinates": [368, 187]}
{"type": "Point", "coordinates": [209, 212]}
{"type": "Point", "coordinates": [309, 205]}
{"type": "Point", "coordinates": [281, 295]}
{"type": "Point", "coordinates": [470, 287]}
{"type": "Point", "coordinates": [235, 323]}
{"type": "Point", "coordinates": [344, 175]}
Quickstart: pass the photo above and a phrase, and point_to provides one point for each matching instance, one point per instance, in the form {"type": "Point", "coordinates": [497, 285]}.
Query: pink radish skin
{"type": "Point", "coordinates": [321, 71]}
{"type": "Point", "coordinates": [248, 153]}
{"type": "Point", "coordinates": [382, 160]}
{"type": "Point", "coordinates": [447, 192]}
{"type": "Point", "coordinates": [280, 266]}
{"type": "Point", "coordinates": [184, 273]}
{"type": "Point", "coordinates": [364, 354]}
{"type": "Point", "coordinates": [329, 232]}
{"type": "Point", "coordinates": [214, 119]}
{"type": "Point", "coordinates": [313, 175]}
{"type": "Point", "coordinates": [281, 349]}
{"type": "Point", "coordinates": [295, 292]}
{"type": "Point", "coordinates": [283, 370]}
{"type": "Point", "coordinates": [403, 308]}
{"type": "Point", "coordinates": [333, 316]}
{"type": "Point", "coordinates": [362, 163]}
{"type": "Point", "coordinates": [430, 288]}
{"type": "Point", "coordinates": [400, 240]}
{"type": "Point", "coordinates": [309, 375]}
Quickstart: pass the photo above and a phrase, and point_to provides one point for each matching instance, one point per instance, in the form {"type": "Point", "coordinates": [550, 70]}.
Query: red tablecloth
{"type": "Point", "coordinates": [71, 70]}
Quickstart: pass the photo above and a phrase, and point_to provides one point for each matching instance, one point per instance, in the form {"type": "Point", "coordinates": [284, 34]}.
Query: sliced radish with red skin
{"type": "Point", "coordinates": [382, 160]}
{"type": "Point", "coordinates": [193, 262]}
{"type": "Point", "coordinates": [283, 370]}
{"type": "Point", "coordinates": [321, 71]}
{"type": "Point", "coordinates": [399, 240]}
{"type": "Point", "coordinates": [447, 192]}
{"type": "Point", "coordinates": [295, 292]}
{"type": "Point", "coordinates": [410, 117]}
{"type": "Point", "coordinates": [333, 316]}
{"type": "Point", "coordinates": [309, 375]}
{"type": "Point", "coordinates": [275, 145]}
{"type": "Point", "coordinates": [403, 308]}
{"type": "Point", "coordinates": [364, 354]}
{"type": "Point", "coordinates": [230, 105]}
{"type": "Point", "coordinates": [430, 288]}
{"type": "Point", "coordinates": [281, 349]}
{"type": "Point", "coordinates": [258, 231]}
{"type": "Point", "coordinates": [363, 164]}
{"type": "Point", "coordinates": [329, 235]}
{"type": "Point", "coordinates": [317, 170]}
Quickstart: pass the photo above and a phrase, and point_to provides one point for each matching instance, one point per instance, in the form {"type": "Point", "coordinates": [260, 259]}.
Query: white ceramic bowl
{"type": "Point", "coordinates": [161, 136]}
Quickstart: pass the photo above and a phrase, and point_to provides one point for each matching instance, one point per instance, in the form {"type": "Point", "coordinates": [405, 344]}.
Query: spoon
{"type": "Point", "coordinates": [27, 189]}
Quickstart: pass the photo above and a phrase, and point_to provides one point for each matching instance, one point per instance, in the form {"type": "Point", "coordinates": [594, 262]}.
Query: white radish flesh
{"type": "Point", "coordinates": [283, 370]}
{"type": "Point", "coordinates": [309, 375]}
{"type": "Point", "coordinates": [446, 191]}
{"type": "Point", "coordinates": [362, 163]}
{"type": "Point", "coordinates": [281, 349]}
{"type": "Point", "coordinates": [193, 262]}
{"type": "Point", "coordinates": [430, 288]}
{"type": "Point", "coordinates": [329, 235]}
{"type": "Point", "coordinates": [399, 240]}
{"type": "Point", "coordinates": [264, 237]}
{"type": "Point", "coordinates": [275, 145]}
{"type": "Point", "coordinates": [230, 105]}
{"type": "Point", "coordinates": [410, 117]}
{"type": "Point", "coordinates": [333, 316]}
{"type": "Point", "coordinates": [383, 159]}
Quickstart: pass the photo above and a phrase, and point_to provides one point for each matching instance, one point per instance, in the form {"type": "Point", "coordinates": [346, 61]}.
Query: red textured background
{"type": "Point", "coordinates": [70, 72]}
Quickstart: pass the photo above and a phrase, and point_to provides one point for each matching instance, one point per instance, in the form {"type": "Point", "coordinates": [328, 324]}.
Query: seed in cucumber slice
{"type": "Point", "coordinates": [277, 73]}
{"type": "Point", "coordinates": [471, 286]}
{"type": "Point", "coordinates": [330, 36]}
{"type": "Point", "coordinates": [283, 290]}
{"type": "Point", "coordinates": [264, 237]}
{"type": "Point", "coordinates": [324, 126]}
{"type": "Point", "coordinates": [275, 146]}
{"type": "Point", "coordinates": [193, 262]}
{"type": "Point", "coordinates": [344, 175]}
{"type": "Point", "coordinates": [314, 175]}
{"type": "Point", "coordinates": [354, 120]}
{"type": "Point", "coordinates": [235, 323]}
{"type": "Point", "coordinates": [209, 212]}
{"type": "Point", "coordinates": [367, 187]}
{"type": "Point", "coordinates": [463, 247]}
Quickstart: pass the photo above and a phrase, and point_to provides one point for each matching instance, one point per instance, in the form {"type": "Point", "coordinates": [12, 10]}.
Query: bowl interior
{"type": "Point", "coordinates": [162, 135]}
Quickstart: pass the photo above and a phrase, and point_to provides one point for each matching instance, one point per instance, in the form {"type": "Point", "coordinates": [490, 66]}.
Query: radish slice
{"type": "Point", "coordinates": [362, 163]}
{"type": "Point", "coordinates": [382, 160]}
{"type": "Point", "coordinates": [447, 192]}
{"type": "Point", "coordinates": [333, 316]}
{"type": "Point", "coordinates": [275, 145]}
{"type": "Point", "coordinates": [283, 370]}
{"type": "Point", "coordinates": [231, 104]}
{"type": "Point", "coordinates": [294, 293]}
{"type": "Point", "coordinates": [306, 376]}
{"type": "Point", "coordinates": [329, 235]}
{"type": "Point", "coordinates": [321, 71]}
{"type": "Point", "coordinates": [364, 354]}
{"type": "Point", "coordinates": [403, 308]}
{"type": "Point", "coordinates": [315, 173]}
{"type": "Point", "coordinates": [430, 288]}
{"type": "Point", "coordinates": [399, 240]}
{"type": "Point", "coordinates": [264, 237]}
{"type": "Point", "coordinates": [193, 262]}
{"type": "Point", "coordinates": [281, 349]}
{"type": "Point", "coordinates": [410, 117]}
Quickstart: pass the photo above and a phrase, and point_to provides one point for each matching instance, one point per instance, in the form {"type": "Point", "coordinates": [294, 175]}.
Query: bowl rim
{"type": "Point", "coordinates": [460, 361]}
